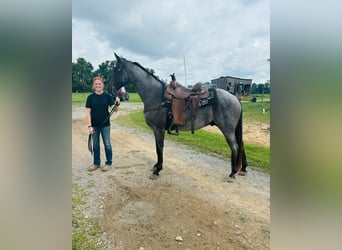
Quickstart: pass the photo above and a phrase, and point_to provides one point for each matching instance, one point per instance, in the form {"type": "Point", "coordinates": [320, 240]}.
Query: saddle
{"type": "Point", "coordinates": [182, 98]}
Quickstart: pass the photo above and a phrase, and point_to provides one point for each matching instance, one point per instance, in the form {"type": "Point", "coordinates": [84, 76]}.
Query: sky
{"type": "Point", "coordinates": [197, 40]}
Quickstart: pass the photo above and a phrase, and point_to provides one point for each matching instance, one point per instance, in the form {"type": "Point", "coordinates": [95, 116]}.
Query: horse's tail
{"type": "Point", "coordinates": [238, 135]}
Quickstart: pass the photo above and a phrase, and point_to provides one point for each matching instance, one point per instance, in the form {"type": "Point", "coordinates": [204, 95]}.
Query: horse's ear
{"type": "Point", "coordinates": [118, 58]}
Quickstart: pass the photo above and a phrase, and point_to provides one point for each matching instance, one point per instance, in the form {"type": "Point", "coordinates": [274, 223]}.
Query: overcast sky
{"type": "Point", "coordinates": [216, 38]}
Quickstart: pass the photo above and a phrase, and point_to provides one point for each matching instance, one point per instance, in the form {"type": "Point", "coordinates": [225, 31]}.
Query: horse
{"type": "Point", "coordinates": [225, 113]}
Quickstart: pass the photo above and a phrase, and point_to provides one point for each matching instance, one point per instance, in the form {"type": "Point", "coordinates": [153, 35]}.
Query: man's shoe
{"type": "Point", "coordinates": [106, 168]}
{"type": "Point", "coordinates": [92, 167]}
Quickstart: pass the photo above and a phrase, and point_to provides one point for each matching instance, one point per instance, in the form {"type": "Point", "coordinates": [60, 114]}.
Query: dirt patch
{"type": "Point", "coordinates": [253, 132]}
{"type": "Point", "coordinates": [190, 206]}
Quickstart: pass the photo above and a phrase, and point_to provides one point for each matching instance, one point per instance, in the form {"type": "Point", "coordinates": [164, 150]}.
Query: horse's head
{"type": "Point", "coordinates": [120, 77]}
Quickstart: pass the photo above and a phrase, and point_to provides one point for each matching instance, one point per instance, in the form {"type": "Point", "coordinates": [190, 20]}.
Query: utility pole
{"type": "Point", "coordinates": [186, 81]}
{"type": "Point", "coordinates": [263, 86]}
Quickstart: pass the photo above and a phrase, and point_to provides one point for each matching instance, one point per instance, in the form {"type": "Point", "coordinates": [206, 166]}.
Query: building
{"type": "Point", "coordinates": [236, 86]}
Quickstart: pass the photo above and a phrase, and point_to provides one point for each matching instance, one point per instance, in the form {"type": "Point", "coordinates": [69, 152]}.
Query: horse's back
{"type": "Point", "coordinates": [228, 109]}
{"type": "Point", "coordinates": [226, 99]}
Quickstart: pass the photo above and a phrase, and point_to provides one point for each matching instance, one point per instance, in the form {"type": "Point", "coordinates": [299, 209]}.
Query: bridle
{"type": "Point", "coordinates": [148, 109]}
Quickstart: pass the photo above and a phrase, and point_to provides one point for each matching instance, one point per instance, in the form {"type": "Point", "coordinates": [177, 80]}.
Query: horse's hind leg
{"type": "Point", "coordinates": [244, 164]}
{"type": "Point", "coordinates": [231, 140]}
{"type": "Point", "coordinates": [159, 140]}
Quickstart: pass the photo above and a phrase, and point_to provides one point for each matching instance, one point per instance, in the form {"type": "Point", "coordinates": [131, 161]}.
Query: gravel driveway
{"type": "Point", "coordinates": [190, 206]}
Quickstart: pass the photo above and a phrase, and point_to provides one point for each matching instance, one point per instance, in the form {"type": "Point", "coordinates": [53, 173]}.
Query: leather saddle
{"type": "Point", "coordinates": [182, 98]}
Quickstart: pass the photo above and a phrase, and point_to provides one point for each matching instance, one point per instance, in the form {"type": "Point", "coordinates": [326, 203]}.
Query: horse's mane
{"type": "Point", "coordinates": [144, 69]}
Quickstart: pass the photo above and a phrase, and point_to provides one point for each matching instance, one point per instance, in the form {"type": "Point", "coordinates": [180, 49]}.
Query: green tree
{"type": "Point", "coordinates": [81, 75]}
{"type": "Point", "coordinates": [261, 88]}
{"type": "Point", "coordinates": [267, 88]}
{"type": "Point", "coordinates": [254, 88]}
{"type": "Point", "coordinates": [105, 70]}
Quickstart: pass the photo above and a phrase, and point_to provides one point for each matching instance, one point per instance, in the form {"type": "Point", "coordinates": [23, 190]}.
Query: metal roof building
{"type": "Point", "coordinates": [235, 85]}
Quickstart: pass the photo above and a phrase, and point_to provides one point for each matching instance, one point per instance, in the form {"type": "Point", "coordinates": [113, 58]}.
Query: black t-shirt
{"type": "Point", "coordinates": [99, 108]}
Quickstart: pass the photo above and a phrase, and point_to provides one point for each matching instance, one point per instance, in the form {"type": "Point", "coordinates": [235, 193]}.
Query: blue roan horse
{"type": "Point", "coordinates": [225, 113]}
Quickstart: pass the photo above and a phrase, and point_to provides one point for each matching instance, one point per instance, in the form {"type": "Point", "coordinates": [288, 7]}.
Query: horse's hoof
{"type": "Point", "coordinates": [153, 177]}
{"type": "Point", "coordinates": [242, 173]}
{"type": "Point", "coordinates": [231, 179]}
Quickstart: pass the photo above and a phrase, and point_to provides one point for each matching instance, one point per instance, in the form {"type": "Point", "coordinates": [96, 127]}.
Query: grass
{"type": "Point", "coordinates": [253, 111]}
{"type": "Point", "coordinates": [82, 97]}
{"type": "Point", "coordinates": [85, 231]}
{"type": "Point", "coordinates": [79, 97]}
{"type": "Point", "coordinates": [259, 97]}
{"type": "Point", "coordinates": [134, 97]}
{"type": "Point", "coordinates": [206, 142]}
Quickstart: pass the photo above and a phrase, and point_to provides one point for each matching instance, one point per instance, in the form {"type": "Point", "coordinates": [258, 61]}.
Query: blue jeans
{"type": "Point", "coordinates": [105, 133]}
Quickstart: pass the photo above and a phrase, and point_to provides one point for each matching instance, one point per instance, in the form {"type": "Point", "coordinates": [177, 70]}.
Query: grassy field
{"type": "Point", "coordinates": [81, 97]}
{"type": "Point", "coordinates": [206, 142]}
{"type": "Point", "coordinates": [134, 97]}
{"type": "Point", "coordinates": [253, 111]}
{"type": "Point", "coordinates": [259, 97]}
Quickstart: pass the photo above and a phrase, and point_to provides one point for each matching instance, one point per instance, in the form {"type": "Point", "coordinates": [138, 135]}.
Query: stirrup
{"type": "Point", "coordinates": [169, 130]}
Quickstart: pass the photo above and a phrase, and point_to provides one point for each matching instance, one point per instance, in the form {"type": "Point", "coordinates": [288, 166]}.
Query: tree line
{"type": "Point", "coordinates": [83, 72]}
{"type": "Point", "coordinates": [261, 88]}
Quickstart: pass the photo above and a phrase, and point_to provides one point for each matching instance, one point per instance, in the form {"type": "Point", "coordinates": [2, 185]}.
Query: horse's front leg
{"type": "Point", "coordinates": [159, 140]}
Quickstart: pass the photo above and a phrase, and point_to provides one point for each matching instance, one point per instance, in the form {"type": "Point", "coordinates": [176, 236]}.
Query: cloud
{"type": "Point", "coordinates": [217, 38]}
{"type": "Point", "coordinates": [89, 44]}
